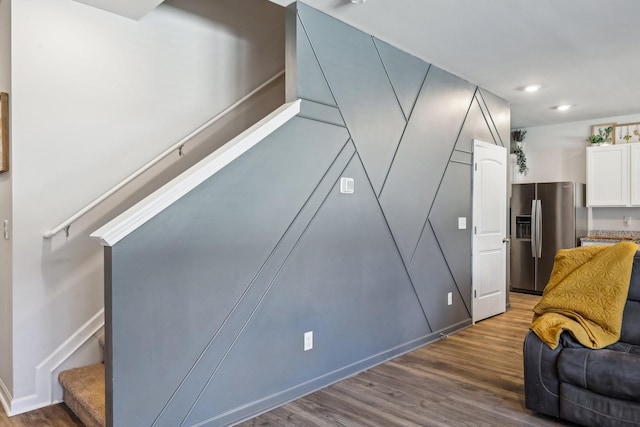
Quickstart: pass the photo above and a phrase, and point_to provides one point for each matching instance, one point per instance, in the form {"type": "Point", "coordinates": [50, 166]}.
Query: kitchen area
{"type": "Point", "coordinates": [548, 215]}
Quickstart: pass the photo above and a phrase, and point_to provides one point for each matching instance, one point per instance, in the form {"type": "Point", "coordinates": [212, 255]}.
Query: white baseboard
{"type": "Point", "coordinates": [44, 371]}
{"type": "Point", "coordinates": [5, 397]}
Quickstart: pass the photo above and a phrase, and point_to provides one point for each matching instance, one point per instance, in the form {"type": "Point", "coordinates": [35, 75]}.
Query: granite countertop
{"type": "Point", "coordinates": [612, 236]}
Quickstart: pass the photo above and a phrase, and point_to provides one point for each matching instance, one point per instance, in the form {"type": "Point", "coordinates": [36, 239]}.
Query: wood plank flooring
{"type": "Point", "coordinates": [51, 416]}
{"type": "Point", "coordinates": [473, 378]}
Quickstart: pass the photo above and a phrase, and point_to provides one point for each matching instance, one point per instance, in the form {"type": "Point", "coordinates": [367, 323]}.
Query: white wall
{"type": "Point", "coordinates": [95, 96]}
{"type": "Point", "coordinates": [612, 219]}
{"type": "Point", "coordinates": [6, 375]}
{"type": "Point", "coordinates": [558, 153]}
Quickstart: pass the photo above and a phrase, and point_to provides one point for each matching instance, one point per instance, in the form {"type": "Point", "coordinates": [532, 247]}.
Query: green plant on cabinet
{"type": "Point", "coordinates": [603, 136]}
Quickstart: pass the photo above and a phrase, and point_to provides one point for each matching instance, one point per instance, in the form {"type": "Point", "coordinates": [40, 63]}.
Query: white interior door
{"type": "Point", "coordinates": [489, 253]}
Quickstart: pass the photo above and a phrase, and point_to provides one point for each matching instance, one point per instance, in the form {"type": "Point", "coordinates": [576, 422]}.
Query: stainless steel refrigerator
{"type": "Point", "coordinates": [545, 217]}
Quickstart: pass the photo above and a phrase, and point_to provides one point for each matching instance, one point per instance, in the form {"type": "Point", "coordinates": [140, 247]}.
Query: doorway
{"type": "Point", "coordinates": [489, 241]}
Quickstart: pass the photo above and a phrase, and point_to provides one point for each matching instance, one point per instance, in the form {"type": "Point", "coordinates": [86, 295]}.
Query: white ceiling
{"type": "Point", "coordinates": [583, 52]}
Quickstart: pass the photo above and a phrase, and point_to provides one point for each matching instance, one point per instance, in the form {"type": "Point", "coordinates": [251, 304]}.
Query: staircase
{"type": "Point", "coordinates": [84, 392]}
{"type": "Point", "coordinates": [84, 388]}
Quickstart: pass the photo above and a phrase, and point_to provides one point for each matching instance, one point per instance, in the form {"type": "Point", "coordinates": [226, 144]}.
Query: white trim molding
{"type": "Point", "coordinates": [44, 371]}
{"type": "Point", "coordinates": [129, 9]}
{"type": "Point", "coordinates": [126, 223]}
{"type": "Point", "coordinates": [5, 397]}
{"type": "Point", "coordinates": [283, 3]}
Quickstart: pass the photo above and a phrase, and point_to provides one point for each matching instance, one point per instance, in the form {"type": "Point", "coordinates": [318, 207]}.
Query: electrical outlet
{"type": "Point", "coordinates": [449, 298]}
{"type": "Point", "coordinates": [308, 340]}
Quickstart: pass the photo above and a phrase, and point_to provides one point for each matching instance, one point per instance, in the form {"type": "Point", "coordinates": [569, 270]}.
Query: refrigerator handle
{"type": "Point", "coordinates": [534, 229]}
{"type": "Point", "coordinates": [539, 227]}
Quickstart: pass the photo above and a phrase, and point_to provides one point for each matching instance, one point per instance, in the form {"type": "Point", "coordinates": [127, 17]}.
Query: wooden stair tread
{"type": "Point", "coordinates": [84, 393]}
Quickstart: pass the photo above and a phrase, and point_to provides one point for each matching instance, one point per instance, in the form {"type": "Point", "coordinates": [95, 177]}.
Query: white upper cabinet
{"type": "Point", "coordinates": [635, 174]}
{"type": "Point", "coordinates": [613, 175]}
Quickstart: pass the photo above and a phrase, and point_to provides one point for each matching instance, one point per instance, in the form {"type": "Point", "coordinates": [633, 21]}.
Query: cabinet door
{"type": "Point", "coordinates": [608, 175]}
{"type": "Point", "coordinates": [635, 174]}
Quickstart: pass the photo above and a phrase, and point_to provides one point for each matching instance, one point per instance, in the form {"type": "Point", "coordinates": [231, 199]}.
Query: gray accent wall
{"type": "Point", "coordinates": [406, 74]}
{"type": "Point", "coordinates": [359, 83]}
{"type": "Point", "coordinates": [208, 302]}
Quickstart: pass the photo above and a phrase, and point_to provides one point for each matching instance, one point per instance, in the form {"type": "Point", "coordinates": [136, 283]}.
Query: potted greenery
{"type": "Point", "coordinates": [517, 135]}
{"type": "Point", "coordinates": [602, 137]}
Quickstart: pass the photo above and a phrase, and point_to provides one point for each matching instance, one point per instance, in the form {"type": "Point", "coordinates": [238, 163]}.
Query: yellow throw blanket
{"type": "Point", "coordinates": [586, 295]}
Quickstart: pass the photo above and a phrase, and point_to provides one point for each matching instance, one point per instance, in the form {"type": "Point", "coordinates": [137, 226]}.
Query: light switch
{"type": "Point", "coordinates": [462, 223]}
{"type": "Point", "coordinates": [346, 185]}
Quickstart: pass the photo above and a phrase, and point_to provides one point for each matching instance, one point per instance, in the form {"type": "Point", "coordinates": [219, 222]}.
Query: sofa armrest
{"type": "Point", "coordinates": [541, 383]}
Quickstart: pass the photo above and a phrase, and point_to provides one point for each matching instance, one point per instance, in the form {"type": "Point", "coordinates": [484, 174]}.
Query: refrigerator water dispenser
{"type": "Point", "coordinates": [523, 227]}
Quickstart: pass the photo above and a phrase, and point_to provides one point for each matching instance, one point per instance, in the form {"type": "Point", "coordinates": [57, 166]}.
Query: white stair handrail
{"type": "Point", "coordinates": [127, 222]}
{"type": "Point", "coordinates": [64, 225]}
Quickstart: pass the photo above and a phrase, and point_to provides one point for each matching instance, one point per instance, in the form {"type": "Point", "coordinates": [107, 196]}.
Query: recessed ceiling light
{"type": "Point", "coordinates": [532, 88]}
{"type": "Point", "coordinates": [358, 1]}
{"type": "Point", "coordinates": [564, 107]}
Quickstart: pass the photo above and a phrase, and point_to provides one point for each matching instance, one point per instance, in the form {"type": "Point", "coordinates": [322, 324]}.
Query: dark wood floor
{"type": "Point", "coordinates": [473, 378]}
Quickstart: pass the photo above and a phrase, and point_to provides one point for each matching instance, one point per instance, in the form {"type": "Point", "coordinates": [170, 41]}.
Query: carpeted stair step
{"type": "Point", "coordinates": [84, 393]}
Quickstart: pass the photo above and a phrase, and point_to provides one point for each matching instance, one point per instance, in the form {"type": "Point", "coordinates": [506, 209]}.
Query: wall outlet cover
{"type": "Point", "coordinates": [308, 340]}
{"type": "Point", "coordinates": [462, 223]}
{"type": "Point", "coordinates": [346, 185]}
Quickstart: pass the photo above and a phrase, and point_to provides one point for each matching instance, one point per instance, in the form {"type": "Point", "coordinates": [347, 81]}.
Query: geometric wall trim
{"type": "Point", "coordinates": [199, 234]}
{"type": "Point", "coordinates": [406, 73]}
{"type": "Point", "coordinates": [475, 124]}
{"type": "Point", "coordinates": [434, 282]}
{"type": "Point", "coordinates": [345, 322]}
{"type": "Point", "coordinates": [310, 82]}
{"type": "Point", "coordinates": [321, 112]}
{"type": "Point", "coordinates": [423, 155]}
{"type": "Point", "coordinates": [498, 114]}
{"type": "Point", "coordinates": [207, 303]}
{"type": "Point", "coordinates": [359, 83]}
{"type": "Point", "coordinates": [453, 201]}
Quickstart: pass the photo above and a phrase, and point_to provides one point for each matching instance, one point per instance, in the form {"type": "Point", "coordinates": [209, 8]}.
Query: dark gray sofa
{"type": "Point", "coordinates": [586, 386]}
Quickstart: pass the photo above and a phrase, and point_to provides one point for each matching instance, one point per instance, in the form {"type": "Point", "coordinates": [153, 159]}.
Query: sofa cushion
{"type": "Point", "coordinates": [607, 372]}
{"type": "Point", "coordinates": [592, 409]}
{"type": "Point", "coordinates": [541, 382]}
{"type": "Point", "coordinates": [624, 347]}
